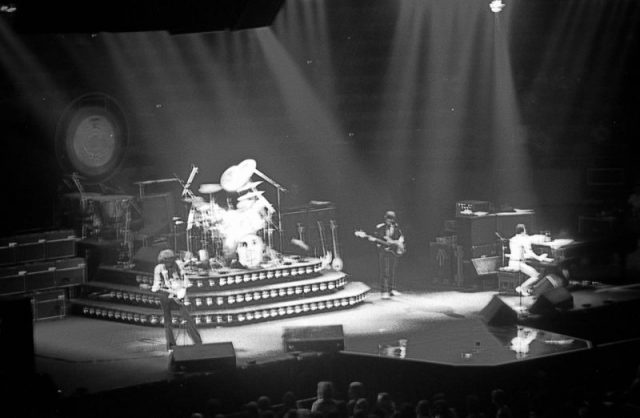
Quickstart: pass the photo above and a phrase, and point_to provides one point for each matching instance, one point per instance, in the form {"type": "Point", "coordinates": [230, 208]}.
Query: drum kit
{"type": "Point", "coordinates": [239, 229]}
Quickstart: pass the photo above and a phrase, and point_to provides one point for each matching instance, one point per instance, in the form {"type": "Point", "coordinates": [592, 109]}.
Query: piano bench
{"type": "Point", "coordinates": [508, 280]}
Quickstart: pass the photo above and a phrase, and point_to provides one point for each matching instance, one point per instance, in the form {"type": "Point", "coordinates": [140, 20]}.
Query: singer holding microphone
{"type": "Point", "coordinates": [521, 251]}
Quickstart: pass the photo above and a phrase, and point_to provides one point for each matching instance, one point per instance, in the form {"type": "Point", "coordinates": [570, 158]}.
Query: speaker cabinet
{"type": "Point", "coordinates": [443, 263]}
{"type": "Point", "coordinates": [203, 357]}
{"type": "Point", "coordinates": [329, 338]}
{"type": "Point", "coordinates": [475, 230]}
{"type": "Point", "coordinates": [498, 313]}
{"type": "Point", "coordinates": [552, 300]}
{"type": "Point", "coordinates": [506, 222]}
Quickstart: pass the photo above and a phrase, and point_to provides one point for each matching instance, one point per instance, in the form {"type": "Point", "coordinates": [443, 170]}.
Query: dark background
{"type": "Point", "coordinates": [343, 101]}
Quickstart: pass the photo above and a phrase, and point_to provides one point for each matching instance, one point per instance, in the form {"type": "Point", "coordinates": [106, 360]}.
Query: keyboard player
{"type": "Point", "coordinates": [520, 254]}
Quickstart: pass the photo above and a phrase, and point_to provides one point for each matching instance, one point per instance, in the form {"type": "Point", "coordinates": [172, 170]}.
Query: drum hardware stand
{"type": "Point", "coordinates": [126, 249]}
{"type": "Point", "coordinates": [279, 189]}
{"type": "Point", "coordinates": [83, 204]}
{"type": "Point", "coordinates": [174, 224]}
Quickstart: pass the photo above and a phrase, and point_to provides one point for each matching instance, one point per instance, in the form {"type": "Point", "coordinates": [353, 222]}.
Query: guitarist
{"type": "Point", "coordinates": [388, 255]}
{"type": "Point", "coordinates": [168, 275]}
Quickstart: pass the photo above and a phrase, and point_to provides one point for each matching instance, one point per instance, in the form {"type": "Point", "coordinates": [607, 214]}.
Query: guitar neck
{"type": "Point", "coordinates": [334, 239]}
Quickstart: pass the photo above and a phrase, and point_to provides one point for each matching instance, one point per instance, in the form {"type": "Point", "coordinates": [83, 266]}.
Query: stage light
{"type": "Point", "coordinates": [496, 6]}
{"type": "Point", "coordinates": [8, 8]}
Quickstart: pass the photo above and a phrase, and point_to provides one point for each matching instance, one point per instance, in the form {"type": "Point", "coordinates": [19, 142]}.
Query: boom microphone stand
{"type": "Point", "coordinates": [279, 189]}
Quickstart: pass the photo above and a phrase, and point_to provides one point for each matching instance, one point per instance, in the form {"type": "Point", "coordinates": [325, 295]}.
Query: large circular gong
{"type": "Point", "coordinates": [91, 137]}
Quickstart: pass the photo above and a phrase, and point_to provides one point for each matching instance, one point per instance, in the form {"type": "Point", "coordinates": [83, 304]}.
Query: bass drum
{"type": "Point", "coordinates": [250, 251]}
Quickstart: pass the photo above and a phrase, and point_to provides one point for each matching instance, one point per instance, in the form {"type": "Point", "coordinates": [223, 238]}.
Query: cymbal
{"type": "Point", "coordinates": [245, 204]}
{"type": "Point", "coordinates": [209, 188]}
{"type": "Point", "coordinates": [250, 185]}
{"type": "Point", "coordinates": [256, 194]}
{"type": "Point", "coordinates": [237, 176]}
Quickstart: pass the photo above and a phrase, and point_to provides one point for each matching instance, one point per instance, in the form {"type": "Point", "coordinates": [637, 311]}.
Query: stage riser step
{"type": "Point", "coordinates": [251, 315]}
{"type": "Point", "coordinates": [353, 295]}
{"type": "Point", "coordinates": [239, 298]}
{"type": "Point", "coordinates": [236, 280]}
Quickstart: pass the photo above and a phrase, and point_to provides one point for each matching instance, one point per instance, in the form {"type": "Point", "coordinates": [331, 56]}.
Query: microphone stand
{"type": "Point", "coordinates": [279, 189]}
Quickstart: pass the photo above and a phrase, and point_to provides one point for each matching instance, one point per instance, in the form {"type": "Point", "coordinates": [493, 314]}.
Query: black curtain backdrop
{"type": "Point", "coordinates": [371, 105]}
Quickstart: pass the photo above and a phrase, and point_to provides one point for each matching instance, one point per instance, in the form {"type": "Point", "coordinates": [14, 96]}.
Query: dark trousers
{"type": "Point", "coordinates": [387, 263]}
{"type": "Point", "coordinates": [167, 304]}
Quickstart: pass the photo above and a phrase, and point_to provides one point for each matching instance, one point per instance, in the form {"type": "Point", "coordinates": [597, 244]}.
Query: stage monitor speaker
{"type": "Point", "coordinates": [549, 282]}
{"type": "Point", "coordinates": [552, 300]}
{"type": "Point", "coordinates": [328, 338]}
{"type": "Point", "coordinates": [203, 357]}
{"type": "Point", "coordinates": [498, 313]}
{"type": "Point", "coordinates": [486, 265]}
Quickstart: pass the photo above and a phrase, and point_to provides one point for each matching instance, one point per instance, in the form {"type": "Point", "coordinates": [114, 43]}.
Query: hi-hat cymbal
{"type": "Point", "coordinates": [237, 176]}
{"type": "Point", "coordinates": [251, 195]}
{"type": "Point", "coordinates": [250, 185]}
{"type": "Point", "coordinates": [209, 188]}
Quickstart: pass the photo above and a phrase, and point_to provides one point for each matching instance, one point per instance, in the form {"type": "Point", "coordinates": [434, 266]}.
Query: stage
{"type": "Point", "coordinates": [445, 327]}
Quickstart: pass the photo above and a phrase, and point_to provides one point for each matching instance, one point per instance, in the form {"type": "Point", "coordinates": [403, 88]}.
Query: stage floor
{"type": "Point", "coordinates": [95, 355]}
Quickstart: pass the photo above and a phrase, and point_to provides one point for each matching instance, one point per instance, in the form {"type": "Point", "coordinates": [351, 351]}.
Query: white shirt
{"type": "Point", "coordinates": [161, 276]}
{"type": "Point", "coordinates": [520, 247]}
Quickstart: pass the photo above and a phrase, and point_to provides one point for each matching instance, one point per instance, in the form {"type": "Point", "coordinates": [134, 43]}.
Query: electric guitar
{"type": "Point", "coordinates": [395, 247]}
{"type": "Point", "coordinates": [336, 263]}
{"type": "Point", "coordinates": [177, 289]}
